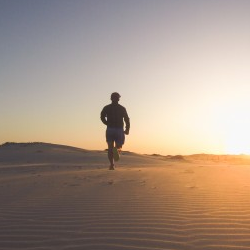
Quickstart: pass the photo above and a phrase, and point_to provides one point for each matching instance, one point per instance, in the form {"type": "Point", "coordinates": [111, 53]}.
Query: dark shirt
{"type": "Point", "coordinates": [113, 115]}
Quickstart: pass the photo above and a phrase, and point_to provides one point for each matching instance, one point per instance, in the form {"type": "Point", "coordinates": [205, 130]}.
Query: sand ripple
{"type": "Point", "coordinates": [144, 209]}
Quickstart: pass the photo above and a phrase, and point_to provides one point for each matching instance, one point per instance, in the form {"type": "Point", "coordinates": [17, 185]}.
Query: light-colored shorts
{"type": "Point", "coordinates": [115, 135]}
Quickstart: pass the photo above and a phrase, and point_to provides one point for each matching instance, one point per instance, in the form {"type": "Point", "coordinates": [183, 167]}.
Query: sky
{"type": "Point", "coordinates": [180, 66]}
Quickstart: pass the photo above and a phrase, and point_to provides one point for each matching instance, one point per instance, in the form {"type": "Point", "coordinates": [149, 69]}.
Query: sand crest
{"type": "Point", "coordinates": [67, 199]}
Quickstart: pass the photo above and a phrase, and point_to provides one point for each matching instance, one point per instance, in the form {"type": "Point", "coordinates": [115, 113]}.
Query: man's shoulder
{"type": "Point", "coordinates": [114, 105]}
{"type": "Point", "coordinates": [111, 106]}
{"type": "Point", "coordinates": [121, 106]}
{"type": "Point", "coordinates": [107, 106]}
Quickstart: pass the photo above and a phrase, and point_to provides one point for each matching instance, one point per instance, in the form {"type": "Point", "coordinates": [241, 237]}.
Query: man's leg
{"type": "Point", "coordinates": [119, 147]}
{"type": "Point", "coordinates": [110, 155]}
{"type": "Point", "coordinates": [116, 152]}
{"type": "Point", "coordinates": [119, 141]}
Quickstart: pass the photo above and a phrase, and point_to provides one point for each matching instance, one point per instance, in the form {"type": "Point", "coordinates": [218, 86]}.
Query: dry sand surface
{"type": "Point", "coordinates": [58, 197]}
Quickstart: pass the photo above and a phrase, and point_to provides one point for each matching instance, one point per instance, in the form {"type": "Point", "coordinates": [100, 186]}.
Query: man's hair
{"type": "Point", "coordinates": [115, 95]}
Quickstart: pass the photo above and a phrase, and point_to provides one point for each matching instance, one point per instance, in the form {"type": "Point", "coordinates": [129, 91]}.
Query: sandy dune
{"type": "Point", "coordinates": [58, 197]}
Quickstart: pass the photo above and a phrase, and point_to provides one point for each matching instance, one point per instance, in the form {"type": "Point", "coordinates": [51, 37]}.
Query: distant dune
{"type": "Point", "coordinates": [56, 197]}
{"type": "Point", "coordinates": [39, 152]}
{"type": "Point", "coordinates": [237, 159]}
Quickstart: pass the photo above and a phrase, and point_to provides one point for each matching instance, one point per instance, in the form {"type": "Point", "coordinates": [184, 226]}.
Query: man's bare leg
{"type": "Point", "coordinates": [119, 148]}
{"type": "Point", "coordinates": [110, 155]}
{"type": "Point", "coordinates": [116, 152]}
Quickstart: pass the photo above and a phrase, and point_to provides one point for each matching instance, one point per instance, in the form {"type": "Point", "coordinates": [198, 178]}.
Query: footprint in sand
{"type": "Point", "coordinates": [188, 171]}
{"type": "Point", "coordinates": [143, 183]}
{"type": "Point", "coordinates": [191, 186]}
{"type": "Point", "coordinates": [111, 182]}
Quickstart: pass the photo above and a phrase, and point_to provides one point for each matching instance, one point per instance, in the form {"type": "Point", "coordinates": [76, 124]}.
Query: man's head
{"type": "Point", "coordinates": [115, 97]}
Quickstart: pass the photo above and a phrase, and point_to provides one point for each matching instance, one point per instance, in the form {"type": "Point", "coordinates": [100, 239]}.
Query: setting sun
{"type": "Point", "coordinates": [233, 124]}
{"type": "Point", "coordinates": [237, 138]}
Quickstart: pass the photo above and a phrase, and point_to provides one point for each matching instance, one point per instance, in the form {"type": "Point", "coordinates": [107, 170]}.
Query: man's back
{"type": "Point", "coordinates": [113, 114]}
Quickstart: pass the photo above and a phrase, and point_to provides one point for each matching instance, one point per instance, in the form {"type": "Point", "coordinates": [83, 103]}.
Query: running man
{"type": "Point", "coordinates": [113, 116]}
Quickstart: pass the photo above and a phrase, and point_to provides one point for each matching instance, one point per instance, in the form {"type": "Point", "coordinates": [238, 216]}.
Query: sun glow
{"type": "Point", "coordinates": [237, 137]}
{"type": "Point", "coordinates": [234, 126]}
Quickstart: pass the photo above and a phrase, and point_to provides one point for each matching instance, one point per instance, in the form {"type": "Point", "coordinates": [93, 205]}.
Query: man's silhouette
{"type": "Point", "coordinates": [114, 115]}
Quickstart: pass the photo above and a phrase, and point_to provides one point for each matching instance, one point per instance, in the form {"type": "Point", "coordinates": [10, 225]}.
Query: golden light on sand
{"type": "Point", "coordinates": [146, 203]}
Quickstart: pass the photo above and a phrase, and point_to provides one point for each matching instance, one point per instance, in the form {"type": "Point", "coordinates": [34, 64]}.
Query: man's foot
{"type": "Point", "coordinates": [111, 167]}
{"type": "Point", "coordinates": [116, 154]}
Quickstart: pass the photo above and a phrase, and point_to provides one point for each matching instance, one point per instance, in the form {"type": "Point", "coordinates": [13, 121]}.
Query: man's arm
{"type": "Point", "coordinates": [127, 122]}
{"type": "Point", "coordinates": [103, 116]}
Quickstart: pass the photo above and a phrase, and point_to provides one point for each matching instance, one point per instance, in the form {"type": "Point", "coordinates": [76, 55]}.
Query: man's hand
{"type": "Point", "coordinates": [126, 132]}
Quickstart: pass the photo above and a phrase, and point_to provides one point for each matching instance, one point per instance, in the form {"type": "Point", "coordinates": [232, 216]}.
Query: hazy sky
{"type": "Point", "coordinates": [182, 68]}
